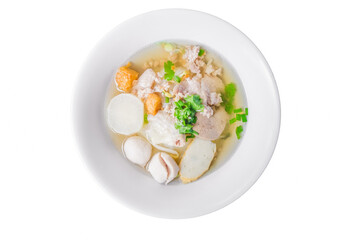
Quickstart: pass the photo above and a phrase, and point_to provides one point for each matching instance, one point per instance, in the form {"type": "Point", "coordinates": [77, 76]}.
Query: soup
{"type": "Point", "coordinates": [176, 110]}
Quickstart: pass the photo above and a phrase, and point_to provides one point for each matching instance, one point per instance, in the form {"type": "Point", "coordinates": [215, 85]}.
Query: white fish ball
{"type": "Point", "coordinates": [137, 150]}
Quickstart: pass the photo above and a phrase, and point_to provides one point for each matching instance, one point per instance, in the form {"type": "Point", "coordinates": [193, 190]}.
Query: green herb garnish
{"type": "Point", "coordinates": [230, 90]}
{"type": "Point", "coordinates": [239, 116]}
{"type": "Point", "coordinates": [168, 69]}
{"type": "Point", "coordinates": [195, 102]}
{"type": "Point", "coordinates": [228, 107]}
{"type": "Point", "coordinates": [167, 99]}
{"type": "Point", "coordinates": [233, 120]}
{"type": "Point", "coordinates": [177, 79]}
{"type": "Point", "coordinates": [243, 118]}
{"type": "Point", "coordinates": [185, 112]}
{"type": "Point", "coordinates": [201, 52]}
{"type": "Point", "coordinates": [185, 129]}
{"type": "Point", "coordinates": [145, 118]}
{"type": "Point", "coordinates": [228, 102]}
{"type": "Point", "coordinates": [238, 131]}
{"type": "Point", "coordinates": [238, 110]}
{"type": "Point", "coordinates": [228, 97]}
{"type": "Point", "coordinates": [189, 136]}
{"type": "Point", "coordinates": [246, 111]}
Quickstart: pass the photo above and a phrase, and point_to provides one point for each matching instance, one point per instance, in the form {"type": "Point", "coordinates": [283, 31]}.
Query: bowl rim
{"type": "Point", "coordinates": [276, 114]}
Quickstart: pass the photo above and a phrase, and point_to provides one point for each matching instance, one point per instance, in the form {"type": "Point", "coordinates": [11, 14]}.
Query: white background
{"type": "Point", "coordinates": [310, 190]}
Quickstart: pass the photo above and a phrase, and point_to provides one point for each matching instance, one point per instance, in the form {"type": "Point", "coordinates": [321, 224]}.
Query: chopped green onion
{"type": "Point", "coordinates": [228, 97]}
{"type": "Point", "coordinates": [168, 47]}
{"type": "Point", "coordinates": [243, 118]}
{"type": "Point", "coordinates": [229, 107]}
{"type": "Point", "coordinates": [238, 131]}
{"type": "Point", "coordinates": [201, 52]}
{"type": "Point", "coordinates": [166, 99]}
{"type": "Point", "coordinates": [238, 110]}
{"type": "Point", "coordinates": [177, 79]}
{"type": "Point", "coordinates": [185, 114]}
{"type": "Point", "coordinates": [179, 104]}
{"type": "Point", "coordinates": [233, 120]}
{"type": "Point", "coordinates": [145, 118]}
{"type": "Point", "coordinates": [230, 90]}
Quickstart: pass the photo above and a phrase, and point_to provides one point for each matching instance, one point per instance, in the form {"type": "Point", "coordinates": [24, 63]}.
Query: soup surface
{"type": "Point", "coordinates": [194, 110]}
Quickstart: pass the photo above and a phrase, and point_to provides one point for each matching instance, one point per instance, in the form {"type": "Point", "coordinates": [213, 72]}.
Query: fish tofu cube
{"type": "Point", "coordinates": [124, 78]}
{"type": "Point", "coordinates": [153, 103]}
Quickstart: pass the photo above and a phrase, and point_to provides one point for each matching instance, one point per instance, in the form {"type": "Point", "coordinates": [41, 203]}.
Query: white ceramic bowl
{"type": "Point", "coordinates": [124, 180]}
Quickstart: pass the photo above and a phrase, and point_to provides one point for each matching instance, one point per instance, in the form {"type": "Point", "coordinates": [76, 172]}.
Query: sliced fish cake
{"type": "Point", "coordinates": [197, 159]}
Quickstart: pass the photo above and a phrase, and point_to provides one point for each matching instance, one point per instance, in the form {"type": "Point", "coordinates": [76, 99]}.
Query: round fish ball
{"type": "Point", "coordinates": [163, 168]}
{"type": "Point", "coordinates": [137, 150]}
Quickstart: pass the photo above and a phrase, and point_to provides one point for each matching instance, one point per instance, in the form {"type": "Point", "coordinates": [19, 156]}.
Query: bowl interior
{"type": "Point", "coordinates": [228, 72]}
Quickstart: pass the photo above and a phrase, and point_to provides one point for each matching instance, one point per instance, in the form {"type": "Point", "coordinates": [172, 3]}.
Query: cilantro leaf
{"type": "Point", "coordinates": [195, 101]}
{"type": "Point", "coordinates": [168, 69]}
{"type": "Point", "coordinates": [189, 136]}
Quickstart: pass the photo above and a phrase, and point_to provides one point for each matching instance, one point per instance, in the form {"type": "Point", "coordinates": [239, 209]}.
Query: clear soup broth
{"type": "Point", "coordinates": [154, 56]}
